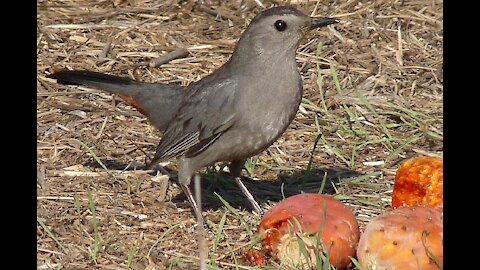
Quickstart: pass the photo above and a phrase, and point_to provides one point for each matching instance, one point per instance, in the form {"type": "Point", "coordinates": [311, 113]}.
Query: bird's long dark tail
{"type": "Point", "coordinates": [106, 82]}
{"type": "Point", "coordinates": [159, 102]}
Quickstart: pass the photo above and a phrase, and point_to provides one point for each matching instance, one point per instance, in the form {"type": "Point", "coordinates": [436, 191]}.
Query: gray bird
{"type": "Point", "coordinates": [234, 113]}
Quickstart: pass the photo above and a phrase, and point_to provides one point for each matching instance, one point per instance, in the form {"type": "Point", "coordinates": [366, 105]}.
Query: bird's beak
{"type": "Point", "coordinates": [321, 22]}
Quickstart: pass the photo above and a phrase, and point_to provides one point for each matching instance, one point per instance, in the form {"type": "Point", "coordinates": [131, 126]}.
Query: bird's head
{"type": "Point", "coordinates": [276, 30]}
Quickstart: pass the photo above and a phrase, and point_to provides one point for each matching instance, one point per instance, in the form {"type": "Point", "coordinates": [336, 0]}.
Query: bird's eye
{"type": "Point", "coordinates": [280, 25]}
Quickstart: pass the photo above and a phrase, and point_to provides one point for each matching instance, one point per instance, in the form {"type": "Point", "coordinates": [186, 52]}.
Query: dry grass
{"type": "Point", "coordinates": [373, 97]}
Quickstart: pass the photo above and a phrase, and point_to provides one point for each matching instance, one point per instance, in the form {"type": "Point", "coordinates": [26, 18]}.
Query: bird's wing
{"type": "Point", "coordinates": [201, 120]}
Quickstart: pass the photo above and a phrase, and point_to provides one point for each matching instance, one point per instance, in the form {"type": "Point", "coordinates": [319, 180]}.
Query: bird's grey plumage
{"type": "Point", "coordinates": [237, 111]}
{"type": "Point", "coordinates": [261, 77]}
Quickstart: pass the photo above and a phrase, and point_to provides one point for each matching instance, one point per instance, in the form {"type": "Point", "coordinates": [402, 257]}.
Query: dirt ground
{"type": "Point", "coordinates": [372, 97]}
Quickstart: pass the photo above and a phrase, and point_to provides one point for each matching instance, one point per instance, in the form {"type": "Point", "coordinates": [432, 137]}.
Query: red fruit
{"type": "Point", "coordinates": [255, 257]}
{"type": "Point", "coordinates": [304, 216]}
{"type": "Point", "coordinates": [406, 238]}
{"type": "Point", "coordinates": [419, 181]}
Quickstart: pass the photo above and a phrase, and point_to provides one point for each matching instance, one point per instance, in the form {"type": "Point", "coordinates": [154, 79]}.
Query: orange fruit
{"type": "Point", "coordinates": [419, 181]}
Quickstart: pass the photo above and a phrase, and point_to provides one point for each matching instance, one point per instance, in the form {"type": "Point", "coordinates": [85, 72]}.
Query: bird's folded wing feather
{"type": "Point", "coordinates": [204, 117]}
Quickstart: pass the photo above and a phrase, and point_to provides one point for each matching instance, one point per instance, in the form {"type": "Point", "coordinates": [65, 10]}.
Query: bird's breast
{"type": "Point", "coordinates": [269, 111]}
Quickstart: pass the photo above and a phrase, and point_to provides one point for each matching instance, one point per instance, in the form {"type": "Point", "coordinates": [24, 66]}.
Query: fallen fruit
{"type": "Point", "coordinates": [419, 181]}
{"type": "Point", "coordinates": [404, 238]}
{"type": "Point", "coordinates": [255, 257]}
{"type": "Point", "coordinates": [301, 221]}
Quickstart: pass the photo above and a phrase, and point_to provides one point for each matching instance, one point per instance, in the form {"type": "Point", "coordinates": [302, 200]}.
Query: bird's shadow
{"type": "Point", "coordinates": [270, 190]}
{"type": "Point", "coordinates": [219, 183]}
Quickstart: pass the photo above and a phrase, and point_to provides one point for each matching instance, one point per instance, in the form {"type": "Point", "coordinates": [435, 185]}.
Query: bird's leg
{"type": "Point", "coordinates": [193, 203]}
{"type": "Point", "coordinates": [186, 190]}
{"type": "Point", "coordinates": [236, 169]}
{"type": "Point", "coordinates": [248, 195]}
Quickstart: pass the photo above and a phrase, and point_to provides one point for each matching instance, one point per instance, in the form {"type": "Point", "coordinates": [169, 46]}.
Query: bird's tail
{"type": "Point", "coordinates": [159, 102]}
